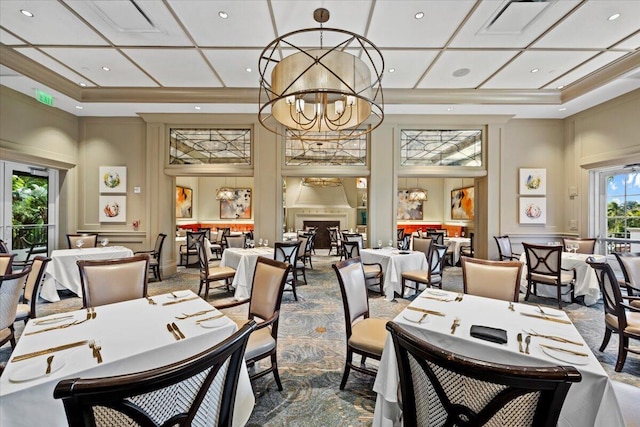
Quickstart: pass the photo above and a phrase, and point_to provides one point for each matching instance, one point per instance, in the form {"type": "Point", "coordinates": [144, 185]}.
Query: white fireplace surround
{"type": "Point", "coordinates": [299, 218]}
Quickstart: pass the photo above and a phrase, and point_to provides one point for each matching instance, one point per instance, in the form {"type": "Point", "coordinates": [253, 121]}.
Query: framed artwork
{"type": "Point", "coordinates": [239, 207]}
{"type": "Point", "coordinates": [184, 202]}
{"type": "Point", "coordinates": [533, 210]}
{"type": "Point", "coordinates": [113, 209]}
{"type": "Point", "coordinates": [113, 179]}
{"type": "Point", "coordinates": [533, 182]}
{"type": "Point", "coordinates": [462, 203]}
{"type": "Point", "coordinates": [408, 209]}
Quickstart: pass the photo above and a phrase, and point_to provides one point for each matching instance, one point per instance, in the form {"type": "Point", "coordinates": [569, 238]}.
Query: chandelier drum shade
{"type": "Point", "coordinates": [322, 91]}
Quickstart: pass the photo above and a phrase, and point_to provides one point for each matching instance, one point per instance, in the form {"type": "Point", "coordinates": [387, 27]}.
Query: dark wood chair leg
{"type": "Point", "coordinates": [347, 368]}
{"type": "Point", "coordinates": [274, 367]}
{"type": "Point", "coordinates": [607, 337]}
{"type": "Point", "coordinates": [623, 343]}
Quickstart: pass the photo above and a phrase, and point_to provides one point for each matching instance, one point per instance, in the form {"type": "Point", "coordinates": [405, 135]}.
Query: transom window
{"type": "Point", "coordinates": [325, 151]}
{"type": "Point", "coordinates": [210, 146]}
{"type": "Point", "coordinates": [426, 147]}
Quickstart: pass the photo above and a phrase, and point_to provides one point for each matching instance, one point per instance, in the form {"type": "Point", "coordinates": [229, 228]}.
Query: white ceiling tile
{"type": "Point", "coordinates": [89, 62]}
{"type": "Point", "coordinates": [124, 25]}
{"type": "Point", "coordinates": [473, 32]}
{"type": "Point", "coordinates": [589, 27]}
{"type": "Point", "coordinates": [231, 65]}
{"type": "Point", "coordinates": [8, 39]}
{"type": "Point", "coordinates": [393, 23]}
{"type": "Point", "coordinates": [51, 24]}
{"type": "Point", "coordinates": [481, 65]}
{"type": "Point", "coordinates": [43, 59]}
{"type": "Point", "coordinates": [551, 64]}
{"type": "Point", "coordinates": [585, 69]}
{"type": "Point", "coordinates": [632, 43]}
{"type": "Point", "coordinates": [409, 66]}
{"type": "Point", "coordinates": [167, 66]}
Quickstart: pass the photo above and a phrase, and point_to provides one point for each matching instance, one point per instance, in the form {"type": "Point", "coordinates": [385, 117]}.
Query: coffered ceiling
{"type": "Point", "coordinates": [527, 58]}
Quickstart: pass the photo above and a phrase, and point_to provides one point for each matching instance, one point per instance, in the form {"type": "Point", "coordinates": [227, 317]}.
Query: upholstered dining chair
{"type": "Point", "coordinates": [438, 385]}
{"type": "Point", "coordinates": [11, 286]}
{"type": "Point", "coordinates": [113, 280]}
{"type": "Point", "coordinates": [89, 240]}
{"type": "Point", "coordinates": [372, 271]}
{"type": "Point", "coordinates": [212, 273]}
{"type": "Point", "coordinates": [287, 252]}
{"type": "Point", "coordinates": [491, 279]}
{"type": "Point", "coordinates": [306, 250]}
{"type": "Point", "coordinates": [147, 398]}
{"type": "Point", "coordinates": [544, 266]}
{"type": "Point", "coordinates": [27, 308]}
{"type": "Point", "coordinates": [504, 249]}
{"type": "Point", "coordinates": [155, 257]}
{"type": "Point", "coordinates": [235, 241]}
{"type": "Point", "coordinates": [437, 236]}
{"type": "Point", "coordinates": [334, 240]}
{"type": "Point", "coordinates": [365, 335]}
{"type": "Point", "coordinates": [630, 266]}
{"type": "Point", "coordinates": [6, 263]}
{"type": "Point", "coordinates": [432, 277]}
{"type": "Point", "coordinates": [619, 317]}
{"type": "Point", "coordinates": [585, 245]}
{"type": "Point", "coordinates": [469, 250]}
{"type": "Point", "coordinates": [264, 304]}
{"type": "Point", "coordinates": [189, 249]}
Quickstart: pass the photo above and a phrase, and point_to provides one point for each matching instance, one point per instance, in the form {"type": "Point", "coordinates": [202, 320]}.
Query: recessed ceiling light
{"type": "Point", "coordinates": [614, 17]}
{"type": "Point", "coordinates": [461, 72]}
{"type": "Point", "coordinates": [562, 109]}
{"type": "Point", "coordinates": [535, 70]}
{"type": "Point", "coordinates": [106, 68]}
{"type": "Point", "coordinates": [560, 87]}
{"type": "Point", "coordinates": [197, 107]}
{"type": "Point", "coordinates": [222, 14]}
{"type": "Point", "coordinates": [79, 107]}
{"type": "Point", "coordinates": [248, 70]}
{"type": "Point", "coordinates": [30, 15]}
{"type": "Point", "coordinates": [82, 84]}
{"type": "Point", "coordinates": [392, 70]}
{"type": "Point", "coordinates": [419, 15]}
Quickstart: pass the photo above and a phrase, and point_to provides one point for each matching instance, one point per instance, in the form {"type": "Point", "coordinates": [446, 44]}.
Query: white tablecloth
{"type": "Point", "coordinates": [244, 262]}
{"type": "Point", "coordinates": [586, 281]}
{"type": "Point", "coordinates": [290, 235]}
{"type": "Point", "coordinates": [590, 402]}
{"type": "Point", "coordinates": [393, 264]}
{"type": "Point", "coordinates": [455, 243]}
{"type": "Point", "coordinates": [62, 272]}
{"type": "Point", "coordinates": [146, 344]}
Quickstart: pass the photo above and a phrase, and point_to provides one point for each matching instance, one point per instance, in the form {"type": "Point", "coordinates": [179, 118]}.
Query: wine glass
{"type": "Point", "coordinates": [266, 243]}
{"type": "Point", "coordinates": [259, 242]}
{"type": "Point", "coordinates": [79, 243]}
{"type": "Point", "coordinates": [104, 242]}
{"type": "Point", "coordinates": [390, 243]}
{"type": "Point", "coordinates": [379, 243]}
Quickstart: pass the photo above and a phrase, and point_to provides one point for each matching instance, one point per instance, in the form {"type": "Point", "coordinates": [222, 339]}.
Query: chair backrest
{"type": "Point", "coordinates": [235, 241]}
{"type": "Point", "coordinates": [32, 285]}
{"type": "Point", "coordinates": [585, 245]}
{"type": "Point", "coordinates": [311, 238]}
{"type": "Point", "coordinates": [354, 237]}
{"type": "Point", "coordinates": [400, 234]}
{"type": "Point", "coordinates": [424, 245]}
{"type": "Point", "coordinates": [333, 234]}
{"type": "Point", "coordinates": [6, 262]}
{"type": "Point", "coordinates": [4, 249]}
{"type": "Point", "coordinates": [491, 279]}
{"type": "Point", "coordinates": [157, 249]}
{"type": "Point", "coordinates": [192, 236]}
{"type": "Point", "coordinates": [269, 278]}
{"type": "Point", "coordinates": [504, 247]}
{"type": "Point", "coordinates": [203, 259]}
{"type": "Point", "coordinates": [438, 385]}
{"type": "Point", "coordinates": [437, 236]}
{"type": "Point", "coordinates": [405, 243]}
{"type": "Point", "coordinates": [630, 266]}
{"type": "Point", "coordinates": [287, 251]}
{"type": "Point", "coordinates": [206, 231]}
{"type": "Point", "coordinates": [611, 295]}
{"type": "Point", "coordinates": [113, 280]}
{"type": "Point", "coordinates": [11, 286]}
{"type": "Point", "coordinates": [543, 259]}
{"type": "Point", "coordinates": [206, 383]}
{"type": "Point", "coordinates": [353, 288]}
{"type": "Point", "coordinates": [304, 244]}
{"type": "Point", "coordinates": [436, 265]}
{"type": "Point", "coordinates": [89, 240]}
{"type": "Point", "coordinates": [351, 249]}
{"type": "Point", "coordinates": [223, 233]}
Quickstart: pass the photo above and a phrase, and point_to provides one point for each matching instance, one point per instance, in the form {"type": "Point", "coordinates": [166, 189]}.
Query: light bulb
{"type": "Point", "coordinates": [291, 99]}
{"type": "Point", "coordinates": [339, 107]}
{"type": "Point", "coordinates": [351, 100]}
{"type": "Point", "coordinates": [299, 105]}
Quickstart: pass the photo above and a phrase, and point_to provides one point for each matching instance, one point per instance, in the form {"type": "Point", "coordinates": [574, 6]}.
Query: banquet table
{"type": "Point", "coordinates": [244, 262]}
{"type": "Point", "coordinates": [393, 263]}
{"type": "Point", "coordinates": [62, 271]}
{"type": "Point", "coordinates": [147, 344]}
{"type": "Point", "coordinates": [591, 402]}
{"type": "Point", "coordinates": [586, 281]}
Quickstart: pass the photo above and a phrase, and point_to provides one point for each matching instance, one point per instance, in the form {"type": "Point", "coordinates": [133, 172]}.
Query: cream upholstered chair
{"type": "Point", "coordinates": [287, 252]}
{"type": "Point", "coordinates": [585, 246]}
{"type": "Point", "coordinates": [89, 240]}
{"type": "Point", "coordinates": [433, 275]}
{"type": "Point", "coordinates": [212, 273]}
{"type": "Point", "coordinates": [6, 263]}
{"type": "Point", "coordinates": [113, 280]}
{"type": "Point", "coordinates": [155, 257]}
{"type": "Point", "coordinates": [264, 304]}
{"type": "Point", "coordinates": [544, 266]}
{"type": "Point", "coordinates": [365, 335]}
{"type": "Point", "coordinates": [27, 308]}
{"type": "Point", "coordinates": [438, 385]}
{"type": "Point", "coordinates": [491, 279]}
{"type": "Point", "coordinates": [235, 241]}
{"type": "Point", "coordinates": [372, 271]}
{"type": "Point", "coordinates": [630, 266]}
{"type": "Point", "coordinates": [11, 286]}
{"type": "Point", "coordinates": [205, 383]}
{"type": "Point", "coordinates": [619, 317]}
{"type": "Point", "coordinates": [504, 248]}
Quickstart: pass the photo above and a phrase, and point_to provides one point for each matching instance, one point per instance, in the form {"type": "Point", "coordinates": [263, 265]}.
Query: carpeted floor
{"type": "Point", "coordinates": [311, 348]}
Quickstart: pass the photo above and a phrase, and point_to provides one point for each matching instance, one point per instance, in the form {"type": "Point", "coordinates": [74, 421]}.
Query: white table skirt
{"type": "Point", "coordinates": [244, 262]}
{"type": "Point", "coordinates": [586, 281]}
{"type": "Point", "coordinates": [147, 344]}
{"type": "Point", "coordinates": [590, 402]}
{"type": "Point", "coordinates": [455, 244]}
{"type": "Point", "coordinates": [62, 272]}
{"type": "Point", "coordinates": [393, 264]}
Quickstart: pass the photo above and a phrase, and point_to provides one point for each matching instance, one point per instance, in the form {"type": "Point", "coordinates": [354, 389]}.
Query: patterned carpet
{"type": "Point", "coordinates": [311, 348]}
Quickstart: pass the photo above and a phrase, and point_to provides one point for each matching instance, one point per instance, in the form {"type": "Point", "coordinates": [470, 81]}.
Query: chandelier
{"type": "Point", "coordinates": [321, 92]}
{"type": "Point", "coordinates": [322, 182]}
{"type": "Point", "coordinates": [418, 195]}
{"type": "Point", "coordinates": [225, 193]}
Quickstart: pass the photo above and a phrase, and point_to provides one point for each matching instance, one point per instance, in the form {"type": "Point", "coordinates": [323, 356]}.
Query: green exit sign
{"type": "Point", "coordinates": [44, 97]}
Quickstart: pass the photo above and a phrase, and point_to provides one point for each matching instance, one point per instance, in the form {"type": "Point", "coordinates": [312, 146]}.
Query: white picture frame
{"type": "Point", "coordinates": [113, 209]}
{"type": "Point", "coordinates": [533, 210]}
{"type": "Point", "coordinates": [533, 182]}
{"type": "Point", "coordinates": [113, 179]}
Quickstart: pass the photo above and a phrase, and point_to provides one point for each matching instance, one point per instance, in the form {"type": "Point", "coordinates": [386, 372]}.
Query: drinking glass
{"type": "Point", "coordinates": [260, 242]}
{"type": "Point", "coordinates": [390, 243]}
{"type": "Point", "coordinates": [266, 243]}
{"type": "Point", "coordinates": [79, 243]}
{"type": "Point", "coordinates": [456, 234]}
{"type": "Point", "coordinates": [379, 243]}
{"type": "Point", "coordinates": [104, 242]}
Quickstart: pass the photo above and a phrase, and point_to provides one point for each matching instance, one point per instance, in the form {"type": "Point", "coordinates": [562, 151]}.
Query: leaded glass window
{"type": "Point", "coordinates": [325, 151]}
{"type": "Point", "coordinates": [426, 147]}
{"type": "Point", "coordinates": [210, 146]}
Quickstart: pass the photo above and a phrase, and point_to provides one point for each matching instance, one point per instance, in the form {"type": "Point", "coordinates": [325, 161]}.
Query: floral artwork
{"type": "Point", "coordinates": [184, 202]}
{"type": "Point", "coordinates": [113, 179]}
{"type": "Point", "coordinates": [408, 209]}
{"type": "Point", "coordinates": [113, 209]}
{"type": "Point", "coordinates": [239, 207]}
{"type": "Point", "coordinates": [533, 182]}
{"type": "Point", "coordinates": [533, 210]}
{"type": "Point", "coordinates": [462, 203]}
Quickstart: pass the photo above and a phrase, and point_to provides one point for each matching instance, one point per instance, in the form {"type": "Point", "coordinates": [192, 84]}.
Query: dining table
{"type": "Point", "coordinates": [590, 402]}
{"type": "Point", "coordinates": [586, 284]}
{"type": "Point", "coordinates": [62, 271]}
{"type": "Point", "coordinates": [26, 390]}
{"type": "Point", "coordinates": [244, 262]}
{"type": "Point", "coordinates": [454, 245]}
{"type": "Point", "coordinates": [394, 262]}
